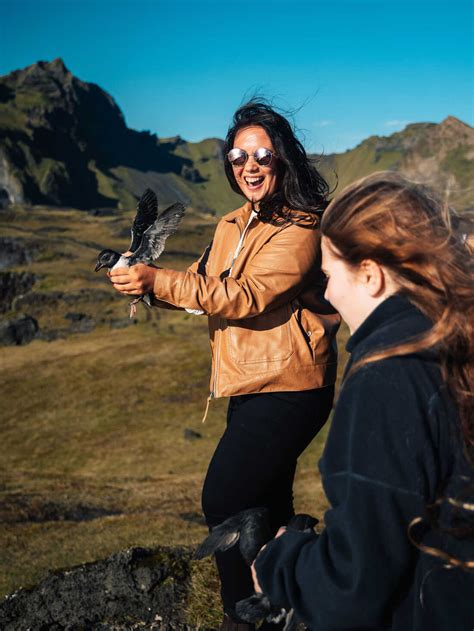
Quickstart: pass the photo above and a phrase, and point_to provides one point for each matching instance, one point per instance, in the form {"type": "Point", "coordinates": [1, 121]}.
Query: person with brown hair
{"type": "Point", "coordinates": [397, 550]}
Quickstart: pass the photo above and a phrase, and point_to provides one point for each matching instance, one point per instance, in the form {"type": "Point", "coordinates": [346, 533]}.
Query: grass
{"type": "Point", "coordinates": [92, 447]}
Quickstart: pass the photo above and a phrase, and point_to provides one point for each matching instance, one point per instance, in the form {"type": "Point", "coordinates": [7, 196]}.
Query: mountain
{"type": "Point", "coordinates": [64, 142]}
{"type": "Point", "coordinates": [439, 155]}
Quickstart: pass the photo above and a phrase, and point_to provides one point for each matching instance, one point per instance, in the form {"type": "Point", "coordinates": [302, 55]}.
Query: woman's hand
{"type": "Point", "coordinates": [134, 281]}
{"type": "Point", "coordinates": [256, 584]}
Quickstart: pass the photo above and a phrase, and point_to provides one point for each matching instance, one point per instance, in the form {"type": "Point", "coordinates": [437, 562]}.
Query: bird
{"type": "Point", "coordinates": [251, 529]}
{"type": "Point", "coordinates": [149, 233]}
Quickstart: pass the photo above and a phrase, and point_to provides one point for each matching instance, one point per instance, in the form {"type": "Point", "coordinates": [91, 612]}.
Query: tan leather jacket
{"type": "Point", "coordinates": [270, 330]}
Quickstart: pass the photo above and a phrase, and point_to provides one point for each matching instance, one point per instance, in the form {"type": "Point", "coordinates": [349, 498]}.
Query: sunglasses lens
{"type": "Point", "coordinates": [263, 156]}
{"type": "Point", "coordinates": [237, 157]}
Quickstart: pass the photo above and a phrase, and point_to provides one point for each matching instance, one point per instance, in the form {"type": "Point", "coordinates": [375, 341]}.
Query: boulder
{"type": "Point", "coordinates": [19, 331]}
{"type": "Point", "coordinates": [135, 588]}
{"type": "Point", "coordinates": [14, 285]}
{"type": "Point", "coordinates": [14, 251]}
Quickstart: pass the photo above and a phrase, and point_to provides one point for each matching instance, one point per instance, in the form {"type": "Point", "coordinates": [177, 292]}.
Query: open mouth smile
{"type": "Point", "coordinates": [254, 182]}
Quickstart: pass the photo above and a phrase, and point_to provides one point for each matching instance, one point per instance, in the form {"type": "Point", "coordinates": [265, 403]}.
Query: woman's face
{"type": "Point", "coordinates": [255, 181]}
{"type": "Point", "coordinates": [344, 289]}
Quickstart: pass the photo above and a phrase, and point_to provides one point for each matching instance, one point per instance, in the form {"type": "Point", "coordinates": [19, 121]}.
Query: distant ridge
{"type": "Point", "coordinates": [439, 155]}
{"type": "Point", "coordinates": [64, 142]}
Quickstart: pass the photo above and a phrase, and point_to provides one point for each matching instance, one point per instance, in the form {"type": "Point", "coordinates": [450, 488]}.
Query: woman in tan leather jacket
{"type": "Point", "coordinates": [272, 333]}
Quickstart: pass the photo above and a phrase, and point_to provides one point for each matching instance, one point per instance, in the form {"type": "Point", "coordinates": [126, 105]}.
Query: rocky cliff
{"type": "Point", "coordinates": [64, 142]}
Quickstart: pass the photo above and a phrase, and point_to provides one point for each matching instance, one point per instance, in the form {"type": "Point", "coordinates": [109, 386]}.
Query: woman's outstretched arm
{"type": "Point", "coordinates": [274, 275]}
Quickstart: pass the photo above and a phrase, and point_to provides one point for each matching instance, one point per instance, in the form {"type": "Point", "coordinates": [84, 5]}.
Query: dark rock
{"type": "Point", "coordinates": [6, 94]}
{"type": "Point", "coordinates": [19, 331]}
{"type": "Point", "coordinates": [191, 434]}
{"type": "Point", "coordinates": [81, 326]}
{"type": "Point", "coordinates": [139, 585]}
{"type": "Point", "coordinates": [52, 335]}
{"type": "Point", "coordinates": [76, 317]}
{"type": "Point", "coordinates": [191, 174]}
{"type": "Point", "coordinates": [51, 298]}
{"type": "Point", "coordinates": [4, 198]}
{"type": "Point", "coordinates": [13, 285]}
{"type": "Point", "coordinates": [38, 299]}
{"type": "Point", "coordinates": [14, 252]}
{"type": "Point", "coordinates": [86, 325]}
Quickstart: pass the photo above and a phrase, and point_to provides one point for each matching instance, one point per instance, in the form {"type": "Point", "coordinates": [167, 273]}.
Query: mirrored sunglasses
{"type": "Point", "coordinates": [238, 157]}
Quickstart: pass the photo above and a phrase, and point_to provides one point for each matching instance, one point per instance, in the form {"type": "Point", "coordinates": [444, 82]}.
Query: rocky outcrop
{"type": "Point", "coordinates": [15, 332]}
{"type": "Point", "coordinates": [138, 588]}
{"type": "Point", "coordinates": [60, 139]}
{"type": "Point", "coordinates": [15, 252]}
{"type": "Point", "coordinates": [11, 189]}
{"type": "Point", "coordinates": [14, 285]}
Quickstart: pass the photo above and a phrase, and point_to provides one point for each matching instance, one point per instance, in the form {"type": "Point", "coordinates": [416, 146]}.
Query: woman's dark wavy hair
{"type": "Point", "coordinates": [302, 187]}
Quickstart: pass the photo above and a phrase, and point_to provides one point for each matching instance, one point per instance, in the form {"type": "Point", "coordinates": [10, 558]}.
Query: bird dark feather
{"type": "Point", "coordinates": [154, 237]}
{"type": "Point", "coordinates": [218, 539]}
{"type": "Point", "coordinates": [147, 212]}
{"type": "Point", "coordinates": [256, 607]}
{"type": "Point", "coordinates": [249, 527]}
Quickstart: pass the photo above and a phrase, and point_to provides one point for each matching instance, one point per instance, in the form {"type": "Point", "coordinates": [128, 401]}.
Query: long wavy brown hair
{"type": "Point", "coordinates": [409, 231]}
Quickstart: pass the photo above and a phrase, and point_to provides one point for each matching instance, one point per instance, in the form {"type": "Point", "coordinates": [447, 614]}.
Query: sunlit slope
{"type": "Point", "coordinates": [438, 155]}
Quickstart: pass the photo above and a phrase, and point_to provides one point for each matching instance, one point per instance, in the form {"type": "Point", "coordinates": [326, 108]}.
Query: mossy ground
{"type": "Point", "coordinates": [92, 448]}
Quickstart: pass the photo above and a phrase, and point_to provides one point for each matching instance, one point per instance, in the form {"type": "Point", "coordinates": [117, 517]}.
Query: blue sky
{"type": "Point", "coordinates": [349, 68]}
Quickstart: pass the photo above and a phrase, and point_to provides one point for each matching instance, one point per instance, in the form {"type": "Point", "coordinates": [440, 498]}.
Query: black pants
{"type": "Point", "coordinates": [254, 465]}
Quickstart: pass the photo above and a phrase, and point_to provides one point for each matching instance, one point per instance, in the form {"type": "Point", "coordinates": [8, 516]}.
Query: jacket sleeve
{"type": "Point", "coordinates": [198, 267]}
{"type": "Point", "coordinates": [379, 470]}
{"type": "Point", "coordinates": [274, 276]}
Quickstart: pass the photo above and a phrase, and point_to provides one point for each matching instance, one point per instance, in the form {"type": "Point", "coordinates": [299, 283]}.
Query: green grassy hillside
{"type": "Point", "coordinates": [439, 156]}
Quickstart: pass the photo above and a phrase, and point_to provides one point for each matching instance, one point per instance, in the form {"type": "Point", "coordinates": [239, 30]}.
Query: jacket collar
{"type": "Point", "coordinates": [240, 215]}
{"type": "Point", "coordinates": [392, 322]}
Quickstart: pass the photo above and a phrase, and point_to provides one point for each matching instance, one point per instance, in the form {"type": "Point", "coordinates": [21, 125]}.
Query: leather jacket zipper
{"type": "Point", "coordinates": [213, 393]}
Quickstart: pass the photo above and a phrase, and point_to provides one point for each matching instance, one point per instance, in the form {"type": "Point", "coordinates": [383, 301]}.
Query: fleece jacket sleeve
{"type": "Point", "coordinates": [275, 275]}
{"type": "Point", "coordinates": [379, 470]}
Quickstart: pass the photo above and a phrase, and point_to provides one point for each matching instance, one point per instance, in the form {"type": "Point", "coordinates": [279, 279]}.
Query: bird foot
{"type": "Point", "coordinates": [133, 307]}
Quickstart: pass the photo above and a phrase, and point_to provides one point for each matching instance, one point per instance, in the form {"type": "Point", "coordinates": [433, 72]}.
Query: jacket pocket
{"type": "Point", "coordinates": [264, 338]}
{"type": "Point", "coordinates": [308, 330]}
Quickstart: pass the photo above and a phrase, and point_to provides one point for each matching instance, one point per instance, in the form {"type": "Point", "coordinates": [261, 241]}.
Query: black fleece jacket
{"type": "Point", "coordinates": [393, 448]}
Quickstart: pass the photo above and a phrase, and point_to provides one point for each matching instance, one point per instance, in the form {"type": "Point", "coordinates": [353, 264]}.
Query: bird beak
{"type": "Point", "coordinates": [98, 266]}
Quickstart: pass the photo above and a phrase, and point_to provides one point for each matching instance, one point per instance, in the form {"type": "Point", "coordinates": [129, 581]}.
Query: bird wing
{"type": "Point", "coordinates": [154, 237]}
{"type": "Point", "coordinates": [147, 212]}
{"type": "Point", "coordinates": [253, 608]}
{"type": "Point", "coordinates": [218, 539]}
{"type": "Point", "coordinates": [249, 527]}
